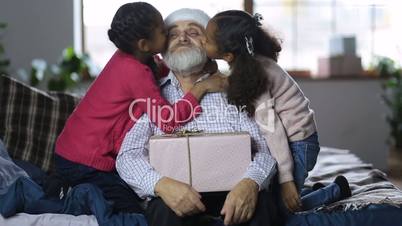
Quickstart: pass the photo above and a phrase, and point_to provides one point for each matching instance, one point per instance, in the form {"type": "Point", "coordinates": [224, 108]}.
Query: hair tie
{"type": "Point", "coordinates": [258, 17]}
{"type": "Point", "coordinates": [249, 45]}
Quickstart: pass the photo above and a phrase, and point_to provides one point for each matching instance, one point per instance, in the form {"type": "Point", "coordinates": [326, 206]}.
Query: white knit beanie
{"type": "Point", "coordinates": [195, 15]}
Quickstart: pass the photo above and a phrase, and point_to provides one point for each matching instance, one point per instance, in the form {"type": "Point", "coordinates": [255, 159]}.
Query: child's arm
{"type": "Point", "coordinates": [280, 150]}
{"type": "Point", "coordinates": [278, 144]}
{"type": "Point", "coordinates": [275, 134]}
{"type": "Point", "coordinates": [166, 116]}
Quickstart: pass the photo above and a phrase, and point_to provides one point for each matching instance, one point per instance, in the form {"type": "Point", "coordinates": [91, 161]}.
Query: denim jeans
{"type": "Point", "coordinates": [9, 171]}
{"type": "Point", "coordinates": [323, 196]}
{"type": "Point", "coordinates": [304, 154]}
{"type": "Point", "coordinates": [373, 215]}
{"type": "Point", "coordinates": [26, 196]}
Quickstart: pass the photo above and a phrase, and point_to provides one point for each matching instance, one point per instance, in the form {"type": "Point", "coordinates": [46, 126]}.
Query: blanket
{"type": "Point", "coordinates": [368, 185]}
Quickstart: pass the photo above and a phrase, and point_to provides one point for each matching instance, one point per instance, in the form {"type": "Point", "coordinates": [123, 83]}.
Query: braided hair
{"type": "Point", "coordinates": [240, 33]}
{"type": "Point", "coordinates": [132, 22]}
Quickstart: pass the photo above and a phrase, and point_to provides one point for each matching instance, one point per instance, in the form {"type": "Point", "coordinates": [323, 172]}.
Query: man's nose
{"type": "Point", "coordinates": [183, 37]}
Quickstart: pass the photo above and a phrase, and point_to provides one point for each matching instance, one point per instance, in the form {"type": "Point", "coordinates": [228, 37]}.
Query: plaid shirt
{"type": "Point", "coordinates": [217, 116]}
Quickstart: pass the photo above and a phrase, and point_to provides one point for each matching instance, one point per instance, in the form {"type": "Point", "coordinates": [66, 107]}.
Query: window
{"type": "Point", "coordinates": [304, 26]}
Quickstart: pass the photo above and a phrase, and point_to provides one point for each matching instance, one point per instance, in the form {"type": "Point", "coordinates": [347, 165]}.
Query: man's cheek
{"type": "Point", "coordinates": [197, 42]}
{"type": "Point", "coordinates": [203, 40]}
{"type": "Point", "coordinates": [171, 45]}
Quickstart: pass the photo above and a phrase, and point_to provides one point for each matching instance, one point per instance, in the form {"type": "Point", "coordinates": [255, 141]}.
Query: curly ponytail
{"type": "Point", "coordinates": [245, 90]}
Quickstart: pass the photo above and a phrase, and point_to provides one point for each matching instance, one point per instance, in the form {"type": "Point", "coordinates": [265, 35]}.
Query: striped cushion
{"type": "Point", "coordinates": [31, 120]}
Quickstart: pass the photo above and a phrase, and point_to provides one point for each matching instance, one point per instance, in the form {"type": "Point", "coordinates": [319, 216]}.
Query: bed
{"type": "Point", "coordinates": [370, 188]}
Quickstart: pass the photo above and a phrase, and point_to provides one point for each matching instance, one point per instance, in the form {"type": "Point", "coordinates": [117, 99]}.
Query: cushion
{"type": "Point", "coordinates": [31, 120]}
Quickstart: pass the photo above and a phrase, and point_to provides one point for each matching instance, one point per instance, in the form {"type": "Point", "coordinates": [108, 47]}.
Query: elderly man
{"type": "Point", "coordinates": [173, 203]}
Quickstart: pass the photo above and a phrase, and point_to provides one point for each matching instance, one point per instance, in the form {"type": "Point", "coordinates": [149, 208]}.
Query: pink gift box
{"type": "Point", "coordinates": [207, 161]}
{"type": "Point", "coordinates": [344, 65]}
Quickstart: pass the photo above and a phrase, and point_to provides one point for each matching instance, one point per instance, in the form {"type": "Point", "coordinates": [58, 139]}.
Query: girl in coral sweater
{"type": "Point", "coordinates": [126, 88]}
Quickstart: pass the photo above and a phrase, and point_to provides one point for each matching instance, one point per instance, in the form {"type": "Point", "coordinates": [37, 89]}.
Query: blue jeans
{"type": "Point", "coordinates": [373, 215]}
{"type": "Point", "coordinates": [9, 171]}
{"type": "Point", "coordinates": [323, 196]}
{"type": "Point", "coordinates": [304, 154]}
{"type": "Point", "coordinates": [26, 196]}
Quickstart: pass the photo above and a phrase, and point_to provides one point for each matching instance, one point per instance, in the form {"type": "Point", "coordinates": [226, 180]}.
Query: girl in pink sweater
{"type": "Point", "coordinates": [126, 88]}
{"type": "Point", "coordinates": [260, 86]}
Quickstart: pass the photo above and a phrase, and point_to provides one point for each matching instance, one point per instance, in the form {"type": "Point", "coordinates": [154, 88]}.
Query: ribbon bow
{"type": "Point", "coordinates": [184, 133]}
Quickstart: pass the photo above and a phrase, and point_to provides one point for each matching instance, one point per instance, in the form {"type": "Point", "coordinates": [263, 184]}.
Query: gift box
{"type": "Point", "coordinates": [345, 65]}
{"type": "Point", "coordinates": [342, 45]}
{"type": "Point", "coordinates": [209, 162]}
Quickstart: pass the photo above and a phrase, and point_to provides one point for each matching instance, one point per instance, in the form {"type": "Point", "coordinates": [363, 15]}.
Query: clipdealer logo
{"type": "Point", "coordinates": [155, 111]}
{"type": "Point", "coordinates": [218, 113]}
{"type": "Point", "coordinates": [266, 122]}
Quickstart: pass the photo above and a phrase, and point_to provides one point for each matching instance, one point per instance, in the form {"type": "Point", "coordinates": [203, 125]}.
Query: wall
{"type": "Point", "coordinates": [350, 115]}
{"type": "Point", "coordinates": [36, 29]}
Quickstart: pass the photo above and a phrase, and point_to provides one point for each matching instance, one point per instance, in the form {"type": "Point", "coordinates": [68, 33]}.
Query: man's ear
{"type": "Point", "coordinates": [143, 45]}
{"type": "Point", "coordinates": [228, 57]}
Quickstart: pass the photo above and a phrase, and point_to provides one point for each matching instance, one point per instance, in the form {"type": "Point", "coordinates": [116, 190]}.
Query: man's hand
{"type": "Point", "coordinates": [290, 196]}
{"type": "Point", "coordinates": [180, 197]}
{"type": "Point", "coordinates": [240, 203]}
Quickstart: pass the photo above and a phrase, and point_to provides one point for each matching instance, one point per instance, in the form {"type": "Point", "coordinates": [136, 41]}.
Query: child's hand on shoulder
{"type": "Point", "coordinates": [210, 67]}
{"type": "Point", "coordinates": [162, 69]}
{"type": "Point", "coordinates": [290, 196]}
{"type": "Point", "coordinates": [217, 82]}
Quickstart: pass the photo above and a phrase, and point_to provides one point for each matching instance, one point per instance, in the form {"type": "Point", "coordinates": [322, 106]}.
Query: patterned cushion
{"type": "Point", "coordinates": [31, 120]}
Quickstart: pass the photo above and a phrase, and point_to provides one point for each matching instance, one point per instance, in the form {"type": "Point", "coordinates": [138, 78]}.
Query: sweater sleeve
{"type": "Point", "coordinates": [168, 117]}
{"type": "Point", "coordinates": [276, 137]}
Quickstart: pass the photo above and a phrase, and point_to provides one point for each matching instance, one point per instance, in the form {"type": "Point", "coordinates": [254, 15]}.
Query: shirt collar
{"type": "Point", "coordinates": [171, 77]}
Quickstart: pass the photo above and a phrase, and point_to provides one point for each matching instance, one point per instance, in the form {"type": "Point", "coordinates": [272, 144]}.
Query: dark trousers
{"type": "Point", "coordinates": [115, 190]}
{"type": "Point", "coordinates": [159, 214]}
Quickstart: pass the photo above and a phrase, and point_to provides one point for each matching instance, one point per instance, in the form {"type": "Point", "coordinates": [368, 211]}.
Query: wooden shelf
{"type": "Point", "coordinates": [338, 78]}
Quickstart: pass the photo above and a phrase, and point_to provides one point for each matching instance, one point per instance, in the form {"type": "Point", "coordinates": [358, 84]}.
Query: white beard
{"type": "Point", "coordinates": [186, 62]}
